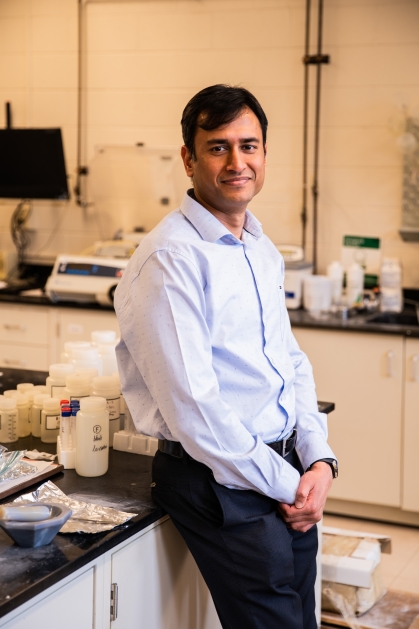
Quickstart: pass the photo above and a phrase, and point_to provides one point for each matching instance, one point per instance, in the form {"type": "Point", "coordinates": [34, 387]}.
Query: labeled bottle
{"type": "Point", "coordinates": [23, 420]}
{"type": "Point", "coordinates": [88, 372]}
{"type": "Point", "coordinates": [56, 380]}
{"type": "Point", "coordinates": [75, 407]}
{"type": "Point", "coordinates": [50, 420]}
{"type": "Point", "coordinates": [36, 410]}
{"type": "Point", "coordinates": [8, 420]}
{"type": "Point", "coordinates": [92, 437]}
{"type": "Point", "coordinates": [335, 272]}
{"type": "Point", "coordinates": [77, 386]}
{"type": "Point", "coordinates": [108, 387]}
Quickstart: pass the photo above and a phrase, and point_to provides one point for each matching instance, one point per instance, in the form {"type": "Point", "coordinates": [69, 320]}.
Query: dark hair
{"type": "Point", "coordinates": [220, 104]}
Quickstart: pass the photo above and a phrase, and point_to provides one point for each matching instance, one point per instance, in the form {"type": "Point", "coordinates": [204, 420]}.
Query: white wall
{"type": "Point", "coordinates": [146, 58]}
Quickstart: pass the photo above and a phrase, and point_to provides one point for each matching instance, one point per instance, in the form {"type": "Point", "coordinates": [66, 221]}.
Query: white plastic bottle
{"type": "Point", "coordinates": [103, 337]}
{"type": "Point", "coordinates": [66, 355]}
{"type": "Point", "coordinates": [108, 355]}
{"type": "Point", "coordinates": [88, 372]}
{"type": "Point", "coordinates": [8, 420]}
{"type": "Point", "coordinates": [391, 298]}
{"type": "Point", "coordinates": [108, 387]}
{"type": "Point", "coordinates": [50, 420]}
{"type": "Point", "coordinates": [354, 284]}
{"type": "Point", "coordinates": [23, 420]}
{"type": "Point", "coordinates": [77, 386]}
{"type": "Point", "coordinates": [83, 357]}
{"type": "Point", "coordinates": [11, 393]}
{"type": "Point", "coordinates": [92, 437]}
{"type": "Point", "coordinates": [56, 380]}
{"type": "Point", "coordinates": [40, 388]}
{"type": "Point", "coordinates": [36, 410]}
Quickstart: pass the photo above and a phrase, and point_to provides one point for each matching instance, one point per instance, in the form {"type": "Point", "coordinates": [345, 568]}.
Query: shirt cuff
{"type": "Point", "coordinates": [313, 447]}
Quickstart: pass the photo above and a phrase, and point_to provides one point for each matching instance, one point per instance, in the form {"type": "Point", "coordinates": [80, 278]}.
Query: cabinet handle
{"type": "Point", "coordinates": [14, 326]}
{"type": "Point", "coordinates": [390, 364]}
{"type": "Point", "coordinates": [114, 601]}
{"type": "Point", "coordinates": [11, 361]}
{"type": "Point", "coordinates": [415, 368]}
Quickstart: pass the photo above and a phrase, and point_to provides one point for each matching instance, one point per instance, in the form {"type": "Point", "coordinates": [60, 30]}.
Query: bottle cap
{"type": "Point", "coordinates": [21, 399]}
{"type": "Point", "coordinates": [103, 336]}
{"type": "Point", "coordinates": [89, 372]}
{"type": "Point", "coordinates": [65, 411]}
{"type": "Point", "coordinates": [77, 381]}
{"type": "Point", "coordinates": [39, 398]}
{"type": "Point", "coordinates": [40, 388]}
{"type": "Point", "coordinates": [60, 370]}
{"type": "Point", "coordinates": [92, 404]}
{"type": "Point", "coordinates": [11, 393]}
{"type": "Point", "coordinates": [64, 402]}
{"type": "Point", "coordinates": [7, 403]}
{"type": "Point", "coordinates": [51, 404]}
{"type": "Point", "coordinates": [23, 387]}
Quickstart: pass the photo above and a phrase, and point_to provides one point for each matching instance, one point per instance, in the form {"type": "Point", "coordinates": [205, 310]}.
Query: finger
{"type": "Point", "coordinates": [303, 491]}
{"type": "Point", "coordinates": [302, 527]}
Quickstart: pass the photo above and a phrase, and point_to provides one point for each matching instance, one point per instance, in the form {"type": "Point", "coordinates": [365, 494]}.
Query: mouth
{"type": "Point", "coordinates": [236, 181]}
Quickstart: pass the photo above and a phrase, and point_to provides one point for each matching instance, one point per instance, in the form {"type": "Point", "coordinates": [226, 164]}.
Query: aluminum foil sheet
{"type": "Point", "coordinates": [12, 466]}
{"type": "Point", "coordinates": [86, 518]}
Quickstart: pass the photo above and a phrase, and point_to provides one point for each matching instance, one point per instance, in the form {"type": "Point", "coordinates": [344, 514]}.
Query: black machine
{"type": "Point", "coordinates": [32, 164]}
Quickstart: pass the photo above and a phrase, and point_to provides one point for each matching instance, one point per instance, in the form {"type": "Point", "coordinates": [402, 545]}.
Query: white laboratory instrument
{"type": "Point", "coordinates": [85, 279]}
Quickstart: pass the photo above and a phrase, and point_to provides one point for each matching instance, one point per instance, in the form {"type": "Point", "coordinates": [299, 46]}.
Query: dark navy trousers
{"type": "Point", "coordinates": [260, 573]}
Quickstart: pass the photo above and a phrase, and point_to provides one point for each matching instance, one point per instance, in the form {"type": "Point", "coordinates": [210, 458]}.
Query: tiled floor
{"type": "Point", "coordinates": [401, 568]}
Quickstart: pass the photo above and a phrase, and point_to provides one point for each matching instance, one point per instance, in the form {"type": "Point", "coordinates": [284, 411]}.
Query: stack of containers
{"type": "Point", "coordinates": [66, 355]}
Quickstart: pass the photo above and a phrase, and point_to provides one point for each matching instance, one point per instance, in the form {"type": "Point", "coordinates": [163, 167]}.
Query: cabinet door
{"type": "Point", "coordinates": [24, 324]}
{"type": "Point", "coordinates": [410, 494]}
{"type": "Point", "coordinates": [159, 585]}
{"type": "Point", "coordinates": [362, 374]}
{"type": "Point", "coordinates": [70, 607]}
{"type": "Point", "coordinates": [77, 325]}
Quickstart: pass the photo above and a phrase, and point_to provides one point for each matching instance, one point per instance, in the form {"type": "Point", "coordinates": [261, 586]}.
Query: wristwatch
{"type": "Point", "coordinates": [333, 466]}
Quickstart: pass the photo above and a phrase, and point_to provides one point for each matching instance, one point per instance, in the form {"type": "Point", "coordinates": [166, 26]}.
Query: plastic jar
{"type": "Point", "coordinates": [335, 272]}
{"type": "Point", "coordinates": [8, 420]}
{"type": "Point", "coordinates": [11, 393]}
{"type": "Point", "coordinates": [23, 420]}
{"type": "Point", "coordinates": [56, 380]}
{"type": "Point", "coordinates": [66, 355]}
{"type": "Point", "coordinates": [36, 410]}
{"type": "Point", "coordinates": [50, 420]}
{"type": "Point", "coordinates": [103, 337]}
{"type": "Point", "coordinates": [24, 387]}
{"type": "Point", "coordinates": [87, 357]}
{"type": "Point", "coordinates": [108, 388]}
{"type": "Point", "coordinates": [92, 437]}
{"type": "Point", "coordinates": [76, 387]}
{"type": "Point", "coordinates": [108, 354]}
{"type": "Point", "coordinates": [40, 388]}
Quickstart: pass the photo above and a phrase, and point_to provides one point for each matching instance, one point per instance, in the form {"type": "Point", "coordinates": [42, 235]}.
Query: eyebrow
{"type": "Point", "coordinates": [225, 141]}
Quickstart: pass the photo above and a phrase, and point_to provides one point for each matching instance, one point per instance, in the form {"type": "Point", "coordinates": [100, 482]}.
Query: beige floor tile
{"type": "Point", "coordinates": [406, 585]}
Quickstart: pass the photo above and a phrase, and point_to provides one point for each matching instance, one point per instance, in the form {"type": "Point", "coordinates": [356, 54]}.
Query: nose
{"type": "Point", "coordinates": [235, 160]}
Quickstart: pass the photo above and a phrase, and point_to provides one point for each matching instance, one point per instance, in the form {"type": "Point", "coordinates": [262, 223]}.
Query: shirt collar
{"type": "Point", "coordinates": [210, 228]}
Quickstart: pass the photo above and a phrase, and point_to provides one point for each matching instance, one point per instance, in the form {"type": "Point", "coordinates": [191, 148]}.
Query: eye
{"type": "Point", "coordinates": [218, 149]}
{"type": "Point", "coordinates": [249, 147]}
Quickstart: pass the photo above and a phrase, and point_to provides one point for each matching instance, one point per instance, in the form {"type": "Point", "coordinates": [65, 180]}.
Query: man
{"type": "Point", "coordinates": [210, 367]}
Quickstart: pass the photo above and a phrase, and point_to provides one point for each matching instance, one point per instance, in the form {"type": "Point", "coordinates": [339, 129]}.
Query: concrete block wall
{"type": "Point", "coordinates": [145, 59]}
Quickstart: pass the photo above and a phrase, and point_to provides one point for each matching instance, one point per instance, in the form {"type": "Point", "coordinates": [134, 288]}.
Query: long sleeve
{"type": "Point", "coordinates": [164, 324]}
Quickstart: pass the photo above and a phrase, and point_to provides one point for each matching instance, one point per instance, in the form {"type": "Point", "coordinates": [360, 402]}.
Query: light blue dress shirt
{"type": "Point", "coordinates": [207, 356]}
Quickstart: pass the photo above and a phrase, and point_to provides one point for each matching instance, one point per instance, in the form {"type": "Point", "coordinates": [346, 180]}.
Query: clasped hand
{"type": "Point", "coordinates": [309, 500]}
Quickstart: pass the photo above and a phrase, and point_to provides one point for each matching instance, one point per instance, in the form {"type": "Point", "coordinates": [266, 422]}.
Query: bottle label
{"type": "Point", "coordinates": [113, 407]}
{"type": "Point", "coordinates": [8, 421]}
{"type": "Point", "coordinates": [52, 422]}
{"type": "Point", "coordinates": [97, 438]}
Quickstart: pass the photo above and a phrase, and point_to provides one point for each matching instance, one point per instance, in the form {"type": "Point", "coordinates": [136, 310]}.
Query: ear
{"type": "Point", "coordinates": [187, 160]}
{"type": "Point", "coordinates": [265, 148]}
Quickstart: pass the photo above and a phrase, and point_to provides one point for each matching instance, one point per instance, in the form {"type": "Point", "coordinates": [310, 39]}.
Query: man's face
{"type": "Point", "coordinates": [229, 166]}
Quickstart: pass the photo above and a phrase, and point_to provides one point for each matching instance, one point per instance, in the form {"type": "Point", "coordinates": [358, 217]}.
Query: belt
{"type": "Point", "coordinates": [174, 448]}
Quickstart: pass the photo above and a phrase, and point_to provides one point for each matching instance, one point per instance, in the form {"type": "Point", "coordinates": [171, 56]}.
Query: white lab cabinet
{"type": "Point", "coordinates": [410, 493]}
{"type": "Point", "coordinates": [158, 585]}
{"type": "Point", "coordinates": [25, 333]}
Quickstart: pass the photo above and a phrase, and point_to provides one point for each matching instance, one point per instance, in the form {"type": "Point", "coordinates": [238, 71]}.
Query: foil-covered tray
{"type": "Point", "coordinates": [86, 518]}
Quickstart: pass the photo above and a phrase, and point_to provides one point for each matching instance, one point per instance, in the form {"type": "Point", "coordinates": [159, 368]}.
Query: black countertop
{"type": "Point", "coordinates": [26, 572]}
{"type": "Point", "coordinates": [299, 318]}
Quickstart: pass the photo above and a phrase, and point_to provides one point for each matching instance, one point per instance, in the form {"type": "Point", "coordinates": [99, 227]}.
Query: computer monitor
{"type": "Point", "coordinates": [32, 164]}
